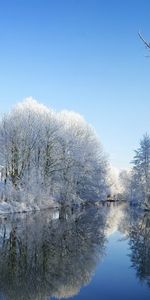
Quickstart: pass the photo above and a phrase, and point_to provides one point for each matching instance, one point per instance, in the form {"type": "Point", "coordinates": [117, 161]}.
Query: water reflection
{"type": "Point", "coordinates": [49, 254]}
{"type": "Point", "coordinates": [55, 253]}
{"type": "Point", "coordinates": [139, 240]}
{"type": "Point", "coordinates": [134, 225]}
{"type": "Point", "coordinates": [114, 219]}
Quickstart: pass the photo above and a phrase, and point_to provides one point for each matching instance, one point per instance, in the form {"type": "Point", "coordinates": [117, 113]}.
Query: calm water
{"type": "Point", "coordinates": [86, 254]}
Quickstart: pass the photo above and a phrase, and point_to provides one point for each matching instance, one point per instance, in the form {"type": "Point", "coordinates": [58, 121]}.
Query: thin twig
{"type": "Point", "coordinates": [144, 41]}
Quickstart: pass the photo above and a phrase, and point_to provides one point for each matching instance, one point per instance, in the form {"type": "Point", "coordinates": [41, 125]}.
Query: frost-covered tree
{"type": "Point", "coordinates": [85, 163]}
{"type": "Point", "coordinates": [125, 179]}
{"type": "Point", "coordinates": [141, 172]}
{"type": "Point", "coordinates": [45, 154]}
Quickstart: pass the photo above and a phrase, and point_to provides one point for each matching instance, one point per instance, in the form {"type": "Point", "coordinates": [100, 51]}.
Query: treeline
{"type": "Point", "coordinates": [53, 154]}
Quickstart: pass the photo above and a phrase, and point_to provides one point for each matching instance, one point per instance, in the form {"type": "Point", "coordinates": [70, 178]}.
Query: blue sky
{"type": "Point", "coordinates": [83, 55]}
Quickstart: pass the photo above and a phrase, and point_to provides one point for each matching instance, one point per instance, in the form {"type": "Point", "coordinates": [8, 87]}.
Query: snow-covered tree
{"type": "Point", "coordinates": [48, 153]}
{"type": "Point", "coordinates": [141, 172]}
{"type": "Point", "coordinates": [126, 187]}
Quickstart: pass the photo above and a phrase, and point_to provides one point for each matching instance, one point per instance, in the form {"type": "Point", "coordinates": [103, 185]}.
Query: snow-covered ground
{"type": "Point", "coordinates": [16, 207]}
{"type": "Point", "coordinates": [25, 202]}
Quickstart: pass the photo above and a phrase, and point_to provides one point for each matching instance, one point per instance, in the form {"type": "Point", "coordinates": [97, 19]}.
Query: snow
{"type": "Point", "coordinates": [16, 207]}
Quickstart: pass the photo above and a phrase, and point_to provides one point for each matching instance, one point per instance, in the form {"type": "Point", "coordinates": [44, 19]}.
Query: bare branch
{"type": "Point", "coordinates": [147, 44]}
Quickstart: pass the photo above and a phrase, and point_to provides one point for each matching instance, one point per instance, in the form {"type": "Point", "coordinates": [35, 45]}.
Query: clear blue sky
{"type": "Point", "coordinates": [82, 55]}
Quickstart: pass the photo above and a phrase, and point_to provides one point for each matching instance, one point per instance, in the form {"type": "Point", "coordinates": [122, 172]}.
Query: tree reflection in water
{"type": "Point", "coordinates": [134, 225]}
{"type": "Point", "coordinates": [42, 255]}
{"type": "Point", "coordinates": [139, 240]}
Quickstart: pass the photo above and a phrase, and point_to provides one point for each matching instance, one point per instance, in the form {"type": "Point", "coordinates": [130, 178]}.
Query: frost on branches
{"type": "Point", "coordinates": [48, 158]}
{"type": "Point", "coordinates": [141, 172]}
{"type": "Point", "coordinates": [136, 183]}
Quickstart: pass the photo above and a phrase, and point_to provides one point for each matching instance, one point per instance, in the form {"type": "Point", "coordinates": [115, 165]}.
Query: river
{"type": "Point", "coordinates": [93, 253]}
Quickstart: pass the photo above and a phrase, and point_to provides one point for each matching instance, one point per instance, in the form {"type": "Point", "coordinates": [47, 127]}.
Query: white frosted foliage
{"type": "Point", "coordinates": [49, 157]}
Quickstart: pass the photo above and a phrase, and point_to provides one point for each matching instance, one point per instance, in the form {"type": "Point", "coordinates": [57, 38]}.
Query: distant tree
{"type": "Point", "coordinates": [125, 183]}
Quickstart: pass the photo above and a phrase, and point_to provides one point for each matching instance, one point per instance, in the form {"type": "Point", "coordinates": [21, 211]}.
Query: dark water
{"type": "Point", "coordinates": [86, 254]}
